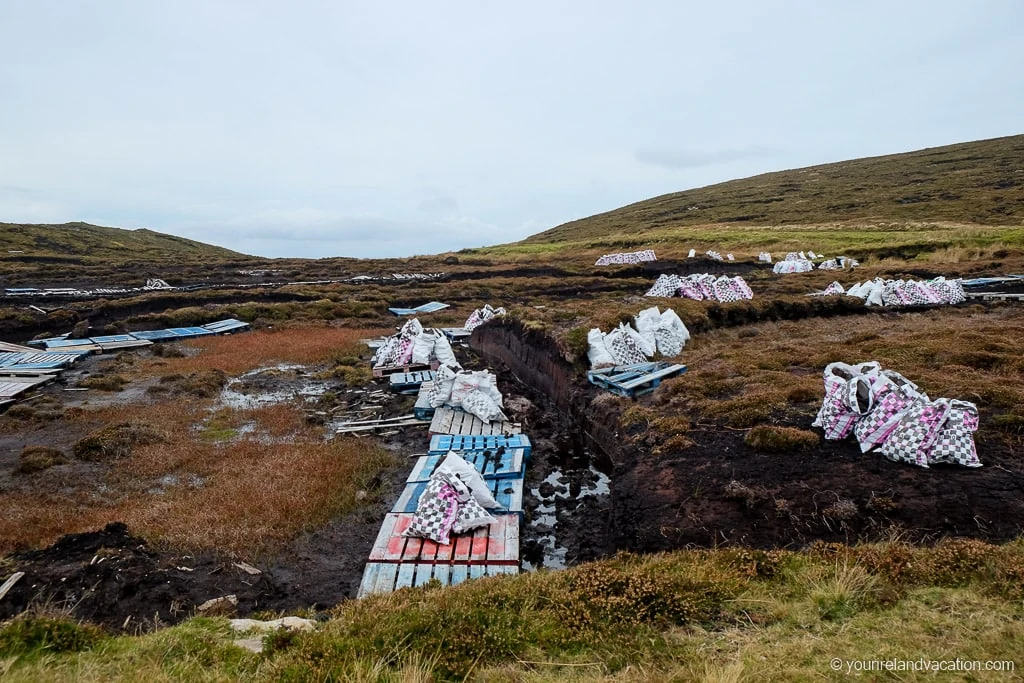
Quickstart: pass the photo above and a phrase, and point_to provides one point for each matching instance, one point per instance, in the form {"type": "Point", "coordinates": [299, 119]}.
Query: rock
{"type": "Point", "coordinates": [518, 405]}
{"type": "Point", "coordinates": [250, 644]}
{"type": "Point", "coordinates": [221, 606]}
{"type": "Point", "coordinates": [289, 623]}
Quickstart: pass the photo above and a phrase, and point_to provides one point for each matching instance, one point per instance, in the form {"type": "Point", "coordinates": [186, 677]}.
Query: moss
{"type": "Point", "coordinates": [773, 439]}
{"type": "Point", "coordinates": [30, 636]}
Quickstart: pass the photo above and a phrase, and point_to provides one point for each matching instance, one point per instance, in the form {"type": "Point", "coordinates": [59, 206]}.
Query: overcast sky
{"type": "Point", "coordinates": [396, 128]}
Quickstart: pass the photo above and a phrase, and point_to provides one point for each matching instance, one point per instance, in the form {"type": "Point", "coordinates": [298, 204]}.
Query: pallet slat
{"type": "Point", "coordinates": [497, 464]}
{"type": "Point", "coordinates": [634, 380]}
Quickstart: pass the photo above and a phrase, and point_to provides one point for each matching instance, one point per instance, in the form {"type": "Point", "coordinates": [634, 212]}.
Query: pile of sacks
{"type": "Point", "coordinates": [631, 257]}
{"type": "Point", "coordinates": [413, 344]}
{"type": "Point", "coordinates": [713, 255]}
{"type": "Point", "coordinates": [794, 263]}
{"type": "Point", "coordinates": [885, 410]}
{"type": "Point", "coordinates": [880, 292]}
{"type": "Point", "coordinates": [482, 315]}
{"type": "Point", "coordinates": [661, 332]}
{"type": "Point", "coordinates": [475, 392]}
{"type": "Point", "coordinates": [702, 286]}
{"type": "Point", "coordinates": [453, 502]}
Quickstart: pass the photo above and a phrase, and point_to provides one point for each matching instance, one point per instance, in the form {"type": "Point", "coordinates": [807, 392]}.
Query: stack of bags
{"type": "Point", "coordinates": [794, 263]}
{"type": "Point", "coordinates": [840, 263]}
{"type": "Point", "coordinates": [702, 286]}
{"type": "Point", "coordinates": [764, 257]}
{"type": "Point", "coordinates": [475, 392]}
{"type": "Point", "coordinates": [880, 292]}
{"type": "Point", "coordinates": [885, 410]}
{"type": "Point", "coordinates": [661, 332]}
{"type": "Point", "coordinates": [413, 344]}
{"type": "Point", "coordinates": [631, 257]}
{"type": "Point", "coordinates": [453, 502]}
{"type": "Point", "coordinates": [482, 315]}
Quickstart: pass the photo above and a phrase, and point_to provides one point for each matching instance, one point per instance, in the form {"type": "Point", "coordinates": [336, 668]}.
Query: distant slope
{"type": "Point", "coordinates": [94, 241]}
{"type": "Point", "coordinates": [975, 182]}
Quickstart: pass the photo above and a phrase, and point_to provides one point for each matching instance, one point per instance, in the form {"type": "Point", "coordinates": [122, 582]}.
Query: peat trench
{"type": "Point", "coordinates": [591, 490]}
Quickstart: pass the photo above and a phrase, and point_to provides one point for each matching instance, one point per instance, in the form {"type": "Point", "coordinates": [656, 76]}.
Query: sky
{"type": "Point", "coordinates": [333, 128]}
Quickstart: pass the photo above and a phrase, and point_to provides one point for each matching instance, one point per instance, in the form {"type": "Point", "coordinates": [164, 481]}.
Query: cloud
{"type": "Point", "coordinates": [672, 157]}
{"type": "Point", "coordinates": [441, 204]}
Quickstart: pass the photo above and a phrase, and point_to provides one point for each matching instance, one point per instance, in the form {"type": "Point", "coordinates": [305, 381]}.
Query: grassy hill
{"type": "Point", "coordinates": [97, 242]}
{"type": "Point", "coordinates": [975, 182]}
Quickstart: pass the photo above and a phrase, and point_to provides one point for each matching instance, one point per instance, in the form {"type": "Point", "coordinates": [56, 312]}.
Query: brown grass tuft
{"type": "Point", "coordinates": [39, 458]}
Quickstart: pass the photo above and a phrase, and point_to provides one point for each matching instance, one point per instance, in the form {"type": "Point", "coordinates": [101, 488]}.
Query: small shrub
{"type": "Point", "coordinates": [104, 382]}
{"type": "Point", "coordinates": [842, 510]}
{"type": "Point", "coordinates": [801, 394]}
{"type": "Point", "coordinates": [116, 441]}
{"type": "Point", "coordinates": [28, 635]}
{"type": "Point", "coordinates": [39, 458]}
{"type": "Point", "coordinates": [773, 439]}
{"type": "Point", "coordinates": [205, 383]}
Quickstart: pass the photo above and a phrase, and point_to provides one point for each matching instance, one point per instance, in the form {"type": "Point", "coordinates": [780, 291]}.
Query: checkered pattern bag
{"type": "Point", "coordinates": [690, 290]}
{"type": "Point", "coordinates": [847, 397]}
{"type": "Point", "coordinates": [917, 430]}
{"type": "Point", "coordinates": [741, 286]}
{"type": "Point", "coordinates": [471, 516]}
{"type": "Point", "coordinates": [724, 290]}
{"type": "Point", "coordinates": [956, 292]}
{"type": "Point", "coordinates": [706, 283]}
{"type": "Point", "coordinates": [914, 294]}
{"type": "Point", "coordinates": [666, 285]}
{"type": "Point", "coordinates": [624, 347]}
{"type": "Point", "coordinates": [954, 443]}
{"type": "Point", "coordinates": [893, 394]}
{"type": "Point", "coordinates": [438, 508]}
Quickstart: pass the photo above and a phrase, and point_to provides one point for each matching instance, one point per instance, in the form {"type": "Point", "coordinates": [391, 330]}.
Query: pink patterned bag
{"type": "Point", "coordinates": [954, 443]}
{"type": "Point", "coordinates": [848, 396]}
{"type": "Point", "coordinates": [916, 432]}
{"type": "Point", "coordinates": [892, 394]}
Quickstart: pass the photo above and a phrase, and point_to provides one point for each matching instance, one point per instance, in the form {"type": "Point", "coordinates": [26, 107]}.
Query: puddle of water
{"type": "Point", "coordinates": [545, 520]}
{"type": "Point", "coordinates": [231, 397]}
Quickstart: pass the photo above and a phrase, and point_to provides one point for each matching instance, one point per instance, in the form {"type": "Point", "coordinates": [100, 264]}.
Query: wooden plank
{"type": "Point", "coordinates": [477, 571]}
{"type": "Point", "coordinates": [406, 573]}
{"type": "Point", "coordinates": [424, 572]}
{"type": "Point", "coordinates": [463, 544]}
{"type": "Point", "coordinates": [665, 372]}
{"type": "Point", "coordinates": [459, 574]}
{"type": "Point", "coordinates": [386, 576]}
{"type": "Point", "coordinates": [442, 572]}
{"type": "Point", "coordinates": [478, 543]}
{"type": "Point", "coordinates": [507, 464]}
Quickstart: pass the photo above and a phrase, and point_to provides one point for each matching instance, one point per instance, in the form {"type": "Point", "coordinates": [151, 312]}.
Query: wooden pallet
{"type": "Point", "coordinates": [508, 493]}
{"type": "Point", "coordinates": [423, 410]}
{"type": "Point", "coordinates": [634, 380]}
{"type": "Point", "coordinates": [508, 463]}
{"type": "Point", "coordinates": [996, 296]}
{"type": "Point", "coordinates": [409, 382]}
{"type": "Point", "coordinates": [387, 577]}
{"type": "Point", "coordinates": [399, 562]}
{"type": "Point", "coordinates": [11, 387]}
{"type": "Point", "coordinates": [457, 421]}
{"type": "Point", "coordinates": [456, 333]}
{"type": "Point", "coordinates": [442, 443]}
{"type": "Point", "coordinates": [388, 370]}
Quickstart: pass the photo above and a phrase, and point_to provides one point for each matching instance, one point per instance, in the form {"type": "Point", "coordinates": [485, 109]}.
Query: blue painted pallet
{"type": "Point", "coordinates": [60, 343]}
{"type": "Point", "coordinates": [500, 464]}
{"type": "Point", "coordinates": [423, 410]}
{"type": "Point", "coordinates": [227, 326]}
{"type": "Point", "coordinates": [387, 577]}
{"type": "Point", "coordinates": [456, 333]}
{"type": "Point", "coordinates": [634, 380]}
{"type": "Point", "coordinates": [508, 493]}
{"type": "Point", "coordinates": [410, 381]}
{"type": "Point", "coordinates": [442, 443]}
{"type": "Point", "coordinates": [424, 308]}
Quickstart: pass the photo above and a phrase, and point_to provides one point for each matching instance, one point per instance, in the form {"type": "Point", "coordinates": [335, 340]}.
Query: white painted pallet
{"type": "Point", "coordinates": [456, 421]}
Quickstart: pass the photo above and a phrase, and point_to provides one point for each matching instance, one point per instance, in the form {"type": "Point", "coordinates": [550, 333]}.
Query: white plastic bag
{"type": "Point", "coordinates": [647, 322]}
{"type": "Point", "coordinates": [423, 347]}
{"type": "Point", "coordinates": [443, 351]}
{"type": "Point", "coordinates": [455, 464]}
{"type": "Point", "coordinates": [598, 352]}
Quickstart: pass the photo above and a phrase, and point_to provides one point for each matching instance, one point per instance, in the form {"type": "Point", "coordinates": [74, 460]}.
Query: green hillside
{"type": "Point", "coordinates": [975, 182]}
{"type": "Point", "coordinates": [94, 241]}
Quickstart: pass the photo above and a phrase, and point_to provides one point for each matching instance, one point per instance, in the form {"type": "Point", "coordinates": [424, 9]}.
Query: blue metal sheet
{"type": "Point", "coordinates": [229, 325]}
{"type": "Point", "coordinates": [154, 335]}
{"type": "Point", "coordinates": [65, 343]}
